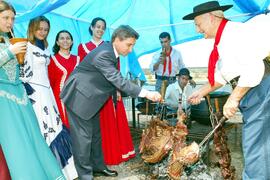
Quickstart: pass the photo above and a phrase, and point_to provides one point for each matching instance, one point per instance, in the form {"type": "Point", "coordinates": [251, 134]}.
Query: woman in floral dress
{"type": "Point", "coordinates": [35, 76]}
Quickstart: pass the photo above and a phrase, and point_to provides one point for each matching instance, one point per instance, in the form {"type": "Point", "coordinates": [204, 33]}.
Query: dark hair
{"type": "Point", "coordinates": [56, 47]}
{"type": "Point", "coordinates": [94, 22]}
{"type": "Point", "coordinates": [4, 6]}
{"type": "Point", "coordinates": [123, 32]}
{"type": "Point", "coordinates": [164, 35]}
{"type": "Point", "coordinates": [34, 26]}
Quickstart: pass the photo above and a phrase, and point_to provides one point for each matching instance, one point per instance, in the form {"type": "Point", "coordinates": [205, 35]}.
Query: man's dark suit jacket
{"type": "Point", "coordinates": [93, 81]}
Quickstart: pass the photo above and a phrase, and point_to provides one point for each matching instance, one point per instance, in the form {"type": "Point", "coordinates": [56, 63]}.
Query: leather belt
{"type": "Point", "coordinates": [267, 66]}
{"type": "Point", "coordinates": [234, 82]}
{"type": "Point", "coordinates": [172, 78]}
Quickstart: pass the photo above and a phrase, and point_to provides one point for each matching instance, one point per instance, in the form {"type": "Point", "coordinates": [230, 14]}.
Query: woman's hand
{"type": "Point", "coordinates": [19, 47]}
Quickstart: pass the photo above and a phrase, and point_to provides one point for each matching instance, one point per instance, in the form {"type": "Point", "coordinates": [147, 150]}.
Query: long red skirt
{"type": "Point", "coordinates": [4, 172]}
{"type": "Point", "coordinates": [117, 143]}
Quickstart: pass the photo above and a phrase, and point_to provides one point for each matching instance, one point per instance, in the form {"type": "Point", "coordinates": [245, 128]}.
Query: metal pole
{"type": "Point", "coordinates": [133, 112]}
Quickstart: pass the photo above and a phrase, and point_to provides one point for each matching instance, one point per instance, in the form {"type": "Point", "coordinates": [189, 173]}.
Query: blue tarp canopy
{"type": "Point", "coordinates": [148, 17]}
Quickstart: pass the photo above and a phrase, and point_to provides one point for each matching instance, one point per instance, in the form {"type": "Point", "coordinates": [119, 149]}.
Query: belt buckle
{"type": "Point", "coordinates": [165, 78]}
{"type": "Point", "coordinates": [171, 78]}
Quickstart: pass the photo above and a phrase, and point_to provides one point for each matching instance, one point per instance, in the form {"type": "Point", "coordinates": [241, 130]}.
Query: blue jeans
{"type": "Point", "coordinates": [159, 82]}
{"type": "Point", "coordinates": [255, 107]}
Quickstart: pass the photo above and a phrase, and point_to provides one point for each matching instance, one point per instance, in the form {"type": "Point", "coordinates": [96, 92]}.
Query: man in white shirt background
{"type": "Point", "coordinates": [181, 89]}
{"type": "Point", "coordinates": [178, 92]}
{"type": "Point", "coordinates": [166, 62]}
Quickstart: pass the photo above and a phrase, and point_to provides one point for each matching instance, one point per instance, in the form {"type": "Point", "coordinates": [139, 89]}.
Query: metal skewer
{"type": "Point", "coordinates": [221, 121]}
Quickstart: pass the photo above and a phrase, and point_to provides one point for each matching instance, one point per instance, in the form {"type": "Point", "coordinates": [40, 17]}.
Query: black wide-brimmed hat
{"type": "Point", "coordinates": [205, 8]}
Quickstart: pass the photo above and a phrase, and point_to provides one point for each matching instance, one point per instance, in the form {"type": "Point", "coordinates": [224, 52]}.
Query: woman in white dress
{"type": "Point", "coordinates": [35, 76]}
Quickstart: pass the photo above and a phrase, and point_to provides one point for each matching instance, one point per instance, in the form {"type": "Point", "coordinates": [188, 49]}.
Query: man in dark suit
{"type": "Point", "coordinates": [85, 92]}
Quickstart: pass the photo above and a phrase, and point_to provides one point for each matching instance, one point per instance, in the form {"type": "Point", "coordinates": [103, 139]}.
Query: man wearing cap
{"type": "Point", "coordinates": [238, 53]}
{"type": "Point", "coordinates": [176, 93]}
{"type": "Point", "coordinates": [166, 62]}
{"type": "Point", "coordinates": [179, 90]}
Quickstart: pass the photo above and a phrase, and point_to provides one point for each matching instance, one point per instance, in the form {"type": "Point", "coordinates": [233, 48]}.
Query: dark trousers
{"type": "Point", "coordinates": [86, 145]}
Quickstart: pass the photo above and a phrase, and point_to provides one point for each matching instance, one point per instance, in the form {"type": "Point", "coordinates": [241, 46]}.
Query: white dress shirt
{"type": "Point", "coordinates": [242, 50]}
{"type": "Point", "coordinates": [172, 95]}
{"type": "Point", "coordinates": [177, 63]}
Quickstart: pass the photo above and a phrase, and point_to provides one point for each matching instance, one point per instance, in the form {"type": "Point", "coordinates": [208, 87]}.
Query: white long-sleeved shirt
{"type": "Point", "coordinates": [173, 92]}
{"type": "Point", "coordinates": [242, 50]}
{"type": "Point", "coordinates": [177, 63]}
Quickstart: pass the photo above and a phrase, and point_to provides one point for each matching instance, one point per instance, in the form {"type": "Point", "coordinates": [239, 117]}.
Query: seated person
{"type": "Point", "coordinates": [180, 90]}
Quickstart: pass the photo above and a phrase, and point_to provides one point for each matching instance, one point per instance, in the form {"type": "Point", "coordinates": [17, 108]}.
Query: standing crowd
{"type": "Point", "coordinates": [45, 137]}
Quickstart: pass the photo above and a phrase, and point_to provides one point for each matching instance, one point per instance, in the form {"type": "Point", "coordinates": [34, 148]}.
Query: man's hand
{"type": "Point", "coordinates": [161, 59]}
{"type": "Point", "coordinates": [119, 97]}
{"type": "Point", "coordinates": [230, 107]}
{"type": "Point", "coordinates": [192, 83]}
{"type": "Point", "coordinates": [153, 96]}
{"type": "Point", "coordinates": [195, 97]}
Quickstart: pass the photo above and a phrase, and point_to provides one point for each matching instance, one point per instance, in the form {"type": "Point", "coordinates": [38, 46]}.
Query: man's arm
{"type": "Point", "coordinates": [192, 83]}
{"type": "Point", "coordinates": [195, 97]}
{"type": "Point", "coordinates": [155, 66]}
{"type": "Point", "coordinates": [151, 95]}
{"type": "Point", "coordinates": [106, 66]}
{"type": "Point", "coordinates": [156, 61]}
{"type": "Point", "coordinates": [231, 105]}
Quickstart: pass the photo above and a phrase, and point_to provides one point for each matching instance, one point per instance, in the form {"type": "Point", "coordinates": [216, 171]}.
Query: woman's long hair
{"type": "Point", "coordinates": [34, 26]}
{"type": "Point", "coordinates": [56, 47]}
{"type": "Point", "coordinates": [94, 22]}
{"type": "Point", "coordinates": [4, 6]}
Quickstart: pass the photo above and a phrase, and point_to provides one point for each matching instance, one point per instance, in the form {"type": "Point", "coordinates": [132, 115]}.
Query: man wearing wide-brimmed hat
{"type": "Point", "coordinates": [238, 53]}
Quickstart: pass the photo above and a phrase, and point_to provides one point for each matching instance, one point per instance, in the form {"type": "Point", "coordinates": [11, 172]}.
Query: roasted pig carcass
{"type": "Point", "coordinates": [185, 156]}
{"type": "Point", "coordinates": [181, 154]}
{"type": "Point", "coordinates": [189, 154]}
{"type": "Point", "coordinates": [175, 167]}
{"type": "Point", "coordinates": [156, 142]}
{"type": "Point", "coordinates": [180, 131]}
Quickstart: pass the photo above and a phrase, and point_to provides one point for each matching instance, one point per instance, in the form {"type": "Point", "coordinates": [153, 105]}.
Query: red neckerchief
{"type": "Point", "coordinates": [170, 62]}
{"type": "Point", "coordinates": [214, 56]}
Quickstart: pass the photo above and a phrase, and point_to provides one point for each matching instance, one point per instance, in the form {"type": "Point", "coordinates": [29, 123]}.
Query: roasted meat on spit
{"type": "Point", "coordinates": [223, 152]}
{"type": "Point", "coordinates": [181, 153]}
{"type": "Point", "coordinates": [159, 138]}
{"type": "Point", "coordinates": [157, 141]}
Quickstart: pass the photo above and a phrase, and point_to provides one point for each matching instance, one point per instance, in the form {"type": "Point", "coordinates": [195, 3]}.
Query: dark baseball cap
{"type": "Point", "coordinates": [185, 72]}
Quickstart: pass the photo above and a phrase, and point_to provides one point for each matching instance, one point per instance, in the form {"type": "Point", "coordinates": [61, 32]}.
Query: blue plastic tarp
{"type": "Point", "coordinates": [148, 17]}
